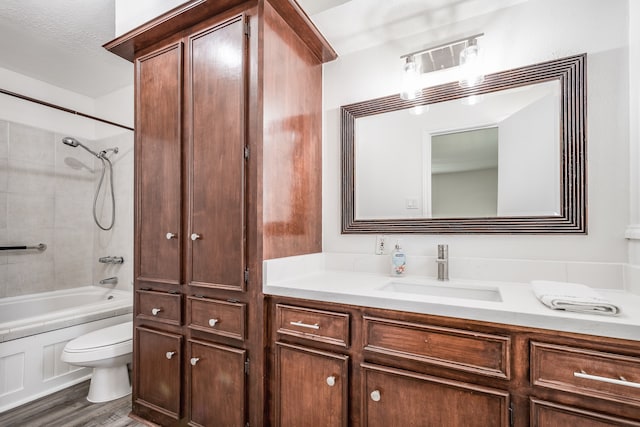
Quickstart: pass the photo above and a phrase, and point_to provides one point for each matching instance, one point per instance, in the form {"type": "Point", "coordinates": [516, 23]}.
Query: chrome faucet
{"type": "Point", "coordinates": [443, 262]}
{"type": "Point", "coordinates": [109, 281]}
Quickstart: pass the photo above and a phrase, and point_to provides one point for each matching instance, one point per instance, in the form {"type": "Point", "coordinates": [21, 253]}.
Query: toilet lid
{"type": "Point", "coordinates": [109, 336]}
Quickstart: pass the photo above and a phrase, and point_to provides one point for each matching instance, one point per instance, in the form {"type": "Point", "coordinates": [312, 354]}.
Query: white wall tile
{"type": "Point", "coordinates": [28, 278]}
{"type": "Point", "coordinates": [29, 211]}
{"type": "Point", "coordinates": [31, 144]}
{"type": "Point", "coordinates": [4, 174]}
{"type": "Point", "coordinates": [3, 280]}
{"type": "Point", "coordinates": [30, 178]}
{"type": "Point", "coordinates": [3, 210]}
{"type": "Point", "coordinates": [4, 139]}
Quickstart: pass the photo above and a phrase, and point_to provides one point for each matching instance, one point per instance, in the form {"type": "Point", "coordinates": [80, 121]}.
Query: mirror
{"type": "Point", "coordinates": [506, 156]}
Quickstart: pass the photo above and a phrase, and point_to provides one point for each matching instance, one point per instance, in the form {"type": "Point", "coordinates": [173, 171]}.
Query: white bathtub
{"type": "Point", "coordinates": [34, 330]}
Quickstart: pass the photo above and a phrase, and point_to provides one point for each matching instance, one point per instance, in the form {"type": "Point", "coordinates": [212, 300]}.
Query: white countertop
{"type": "Point", "coordinates": [307, 277]}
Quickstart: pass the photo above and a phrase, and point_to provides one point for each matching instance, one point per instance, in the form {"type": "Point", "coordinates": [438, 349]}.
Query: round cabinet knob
{"type": "Point", "coordinates": [194, 360]}
{"type": "Point", "coordinates": [195, 237]}
{"type": "Point", "coordinates": [170, 354]}
{"type": "Point", "coordinates": [212, 322]}
{"type": "Point", "coordinates": [375, 395]}
{"type": "Point", "coordinates": [155, 311]}
{"type": "Point", "coordinates": [331, 381]}
{"type": "Point", "coordinates": [170, 236]}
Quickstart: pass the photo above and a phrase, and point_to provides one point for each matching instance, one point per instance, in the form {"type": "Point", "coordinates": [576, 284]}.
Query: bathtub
{"type": "Point", "coordinates": [34, 330]}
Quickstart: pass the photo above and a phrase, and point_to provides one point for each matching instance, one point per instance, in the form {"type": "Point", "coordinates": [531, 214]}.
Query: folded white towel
{"type": "Point", "coordinates": [572, 297]}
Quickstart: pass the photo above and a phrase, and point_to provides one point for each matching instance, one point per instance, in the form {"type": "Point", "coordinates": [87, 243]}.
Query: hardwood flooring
{"type": "Point", "coordinates": [70, 408]}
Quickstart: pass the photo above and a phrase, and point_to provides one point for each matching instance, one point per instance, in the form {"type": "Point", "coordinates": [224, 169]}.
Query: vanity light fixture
{"type": "Point", "coordinates": [461, 52]}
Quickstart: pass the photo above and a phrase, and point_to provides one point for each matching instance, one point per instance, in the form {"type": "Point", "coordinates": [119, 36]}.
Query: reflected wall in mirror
{"type": "Point", "coordinates": [497, 157]}
{"type": "Point", "coordinates": [507, 156]}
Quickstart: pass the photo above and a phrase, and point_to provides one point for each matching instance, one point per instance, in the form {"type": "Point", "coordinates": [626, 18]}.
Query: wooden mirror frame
{"type": "Point", "coordinates": [570, 72]}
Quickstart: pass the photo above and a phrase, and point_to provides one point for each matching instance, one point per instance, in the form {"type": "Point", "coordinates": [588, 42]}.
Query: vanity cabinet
{"type": "Point", "coordinates": [217, 384]}
{"type": "Point", "coordinates": [411, 369]}
{"type": "Point", "coordinates": [311, 385]}
{"type": "Point", "coordinates": [158, 361]}
{"type": "Point", "coordinates": [227, 174]}
{"type": "Point", "coordinates": [393, 397]}
{"type": "Point", "coordinates": [587, 385]}
{"type": "Point", "coordinates": [158, 154]}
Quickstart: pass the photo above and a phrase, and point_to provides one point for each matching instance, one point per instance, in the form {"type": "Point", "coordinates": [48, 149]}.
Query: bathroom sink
{"type": "Point", "coordinates": [446, 289]}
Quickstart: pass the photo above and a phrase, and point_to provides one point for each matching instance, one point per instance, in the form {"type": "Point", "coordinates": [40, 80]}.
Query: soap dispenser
{"type": "Point", "coordinates": [398, 261]}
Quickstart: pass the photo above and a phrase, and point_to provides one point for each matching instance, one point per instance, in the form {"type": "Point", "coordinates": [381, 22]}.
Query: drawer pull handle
{"type": "Point", "coordinates": [194, 360]}
{"type": "Point", "coordinates": [331, 381]}
{"type": "Point", "coordinates": [305, 325]}
{"type": "Point", "coordinates": [169, 354]}
{"type": "Point", "coordinates": [170, 236]}
{"type": "Point", "coordinates": [195, 236]}
{"type": "Point", "coordinates": [155, 311]}
{"type": "Point", "coordinates": [375, 395]}
{"type": "Point", "coordinates": [212, 322]}
{"type": "Point", "coordinates": [621, 381]}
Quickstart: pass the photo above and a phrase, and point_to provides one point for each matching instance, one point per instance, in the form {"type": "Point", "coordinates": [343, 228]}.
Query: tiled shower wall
{"type": "Point", "coordinates": [46, 196]}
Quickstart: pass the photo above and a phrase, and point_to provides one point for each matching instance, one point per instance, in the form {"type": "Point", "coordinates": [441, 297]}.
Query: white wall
{"type": "Point", "coordinates": [528, 33]}
{"type": "Point", "coordinates": [47, 188]}
{"type": "Point", "coordinates": [131, 14]}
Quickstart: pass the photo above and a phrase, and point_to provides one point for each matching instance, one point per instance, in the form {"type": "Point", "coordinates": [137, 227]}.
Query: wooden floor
{"type": "Point", "coordinates": [70, 408]}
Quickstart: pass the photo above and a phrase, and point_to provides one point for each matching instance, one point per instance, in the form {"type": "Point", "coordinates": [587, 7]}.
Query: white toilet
{"type": "Point", "coordinates": [107, 351]}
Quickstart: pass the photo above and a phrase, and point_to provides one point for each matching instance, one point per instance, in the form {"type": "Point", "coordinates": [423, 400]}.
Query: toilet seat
{"type": "Point", "coordinates": [105, 343]}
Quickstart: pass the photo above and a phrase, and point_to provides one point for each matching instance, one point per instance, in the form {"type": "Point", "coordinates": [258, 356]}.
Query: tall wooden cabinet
{"type": "Point", "coordinates": [228, 173]}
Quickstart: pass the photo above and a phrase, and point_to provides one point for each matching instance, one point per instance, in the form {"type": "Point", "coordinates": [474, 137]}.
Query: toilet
{"type": "Point", "coordinates": [107, 351]}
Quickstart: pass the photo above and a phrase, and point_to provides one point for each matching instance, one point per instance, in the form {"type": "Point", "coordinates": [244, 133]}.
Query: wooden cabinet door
{"type": "Point", "coordinates": [217, 385]}
{"type": "Point", "coordinates": [158, 170]}
{"type": "Point", "coordinates": [311, 387]}
{"type": "Point", "coordinates": [393, 397]}
{"type": "Point", "coordinates": [216, 97]}
{"type": "Point", "coordinates": [157, 372]}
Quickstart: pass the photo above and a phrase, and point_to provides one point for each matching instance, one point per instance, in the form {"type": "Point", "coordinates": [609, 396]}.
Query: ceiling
{"type": "Point", "coordinates": [60, 41]}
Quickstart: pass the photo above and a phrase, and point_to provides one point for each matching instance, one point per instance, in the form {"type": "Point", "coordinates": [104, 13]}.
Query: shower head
{"type": "Point", "coordinates": [72, 142]}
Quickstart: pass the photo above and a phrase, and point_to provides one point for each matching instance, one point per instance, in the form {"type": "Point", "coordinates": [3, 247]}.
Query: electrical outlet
{"type": "Point", "coordinates": [381, 245]}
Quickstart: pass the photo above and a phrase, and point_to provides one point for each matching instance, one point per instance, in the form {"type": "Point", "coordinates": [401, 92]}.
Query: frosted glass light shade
{"type": "Point", "coordinates": [471, 66]}
{"type": "Point", "coordinates": [410, 80]}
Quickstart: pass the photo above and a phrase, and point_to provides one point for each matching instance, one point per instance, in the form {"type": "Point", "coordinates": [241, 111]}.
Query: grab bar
{"type": "Point", "coordinates": [40, 246]}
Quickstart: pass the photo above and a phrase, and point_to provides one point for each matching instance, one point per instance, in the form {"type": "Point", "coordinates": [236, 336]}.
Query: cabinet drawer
{"type": "Point", "coordinates": [318, 325]}
{"type": "Point", "coordinates": [478, 353]}
{"type": "Point", "coordinates": [587, 372]}
{"type": "Point", "coordinates": [217, 317]}
{"type": "Point", "coordinates": [549, 414]}
{"type": "Point", "coordinates": [158, 306]}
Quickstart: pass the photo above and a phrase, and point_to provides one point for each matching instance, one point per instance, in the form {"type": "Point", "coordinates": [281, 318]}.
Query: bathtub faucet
{"type": "Point", "coordinates": [111, 260]}
{"type": "Point", "coordinates": [109, 281]}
